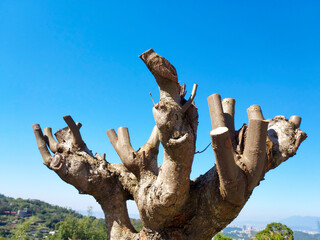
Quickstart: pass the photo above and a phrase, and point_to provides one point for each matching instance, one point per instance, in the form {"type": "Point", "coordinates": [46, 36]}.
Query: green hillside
{"type": "Point", "coordinates": [39, 216]}
{"type": "Point", "coordinates": [35, 219]}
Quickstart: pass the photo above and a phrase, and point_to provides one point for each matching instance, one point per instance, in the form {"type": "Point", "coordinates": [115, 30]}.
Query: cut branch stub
{"type": "Point", "coordinates": [145, 159]}
{"type": "Point", "coordinates": [228, 105]}
{"type": "Point", "coordinates": [252, 162]}
{"type": "Point", "coordinates": [53, 145]}
{"type": "Point", "coordinates": [216, 112]}
{"type": "Point", "coordinates": [42, 145]}
{"type": "Point", "coordinates": [121, 143]}
{"type": "Point", "coordinates": [77, 140]}
{"type": "Point", "coordinates": [164, 73]}
{"type": "Point", "coordinates": [254, 156]}
{"type": "Point", "coordinates": [254, 112]}
{"type": "Point", "coordinates": [296, 120]}
{"type": "Point", "coordinates": [159, 66]}
{"type": "Point", "coordinates": [232, 186]}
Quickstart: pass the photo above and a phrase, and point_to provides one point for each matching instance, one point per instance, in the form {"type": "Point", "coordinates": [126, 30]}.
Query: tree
{"type": "Point", "coordinates": [171, 205]}
{"type": "Point", "coordinates": [22, 230]}
{"type": "Point", "coordinates": [275, 231]}
{"type": "Point", "coordinates": [86, 228]}
{"type": "Point", "coordinates": [220, 236]}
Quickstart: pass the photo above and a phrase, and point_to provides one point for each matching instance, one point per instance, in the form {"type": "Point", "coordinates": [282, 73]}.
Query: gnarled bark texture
{"type": "Point", "coordinates": [171, 205]}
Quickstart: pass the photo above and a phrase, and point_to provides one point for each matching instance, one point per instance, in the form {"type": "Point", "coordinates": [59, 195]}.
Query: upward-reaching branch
{"type": "Point", "coordinates": [110, 184]}
{"type": "Point", "coordinates": [139, 162]}
{"type": "Point", "coordinates": [177, 122]}
{"type": "Point", "coordinates": [42, 145]}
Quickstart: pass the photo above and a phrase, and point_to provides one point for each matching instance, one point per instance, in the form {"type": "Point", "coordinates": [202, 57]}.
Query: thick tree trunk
{"type": "Point", "coordinates": [171, 205]}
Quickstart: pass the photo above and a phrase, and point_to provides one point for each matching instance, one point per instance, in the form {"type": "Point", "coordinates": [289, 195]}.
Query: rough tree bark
{"type": "Point", "coordinates": [171, 205]}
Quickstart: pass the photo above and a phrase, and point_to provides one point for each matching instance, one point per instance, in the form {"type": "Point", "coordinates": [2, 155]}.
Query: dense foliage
{"type": "Point", "coordinates": [35, 219]}
{"type": "Point", "coordinates": [276, 231]}
{"type": "Point", "coordinates": [220, 236]}
{"type": "Point", "coordinates": [19, 217]}
{"type": "Point", "coordinates": [80, 228]}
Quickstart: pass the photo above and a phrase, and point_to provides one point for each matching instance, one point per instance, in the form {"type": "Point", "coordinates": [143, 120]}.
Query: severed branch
{"type": "Point", "coordinates": [110, 184]}
{"type": "Point", "coordinates": [254, 112]}
{"type": "Point", "coordinates": [232, 184]}
{"type": "Point", "coordinates": [296, 120]}
{"type": "Point", "coordinates": [177, 121]}
{"type": "Point", "coordinates": [189, 102]}
{"type": "Point", "coordinates": [141, 161]}
{"type": "Point", "coordinates": [254, 160]}
{"type": "Point", "coordinates": [53, 145]}
{"type": "Point", "coordinates": [42, 145]}
{"type": "Point", "coordinates": [216, 112]}
{"type": "Point", "coordinates": [266, 145]}
{"type": "Point", "coordinates": [228, 110]}
{"type": "Point", "coordinates": [77, 140]}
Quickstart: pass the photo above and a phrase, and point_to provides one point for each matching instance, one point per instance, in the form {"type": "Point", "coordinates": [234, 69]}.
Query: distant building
{"type": "Point", "coordinates": [22, 213]}
{"type": "Point", "coordinates": [44, 230]}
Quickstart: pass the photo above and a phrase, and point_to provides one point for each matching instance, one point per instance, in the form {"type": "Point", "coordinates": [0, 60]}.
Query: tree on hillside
{"type": "Point", "coordinates": [80, 229]}
{"type": "Point", "coordinates": [220, 236]}
{"type": "Point", "coordinates": [275, 231]}
{"type": "Point", "coordinates": [22, 230]}
{"type": "Point", "coordinates": [171, 205]}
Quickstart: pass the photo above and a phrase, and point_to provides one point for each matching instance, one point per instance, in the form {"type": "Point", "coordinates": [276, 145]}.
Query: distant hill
{"type": "Point", "coordinates": [15, 212]}
{"type": "Point", "coordinates": [305, 236]}
{"type": "Point", "coordinates": [40, 218]}
{"type": "Point", "coordinates": [296, 223]}
{"type": "Point", "coordinates": [247, 233]}
{"type": "Point", "coordinates": [303, 223]}
{"type": "Point", "coordinates": [32, 207]}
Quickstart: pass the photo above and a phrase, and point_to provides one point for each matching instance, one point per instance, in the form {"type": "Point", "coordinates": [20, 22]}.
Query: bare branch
{"type": "Point", "coordinates": [232, 188]}
{"type": "Point", "coordinates": [254, 156]}
{"type": "Point", "coordinates": [159, 65]}
{"type": "Point", "coordinates": [189, 102]}
{"type": "Point", "coordinates": [254, 112]}
{"type": "Point", "coordinates": [216, 112]}
{"type": "Point", "coordinates": [152, 99]}
{"type": "Point", "coordinates": [296, 120]}
{"type": "Point", "coordinates": [136, 161]}
{"type": "Point", "coordinates": [53, 145]}
{"type": "Point", "coordinates": [228, 109]}
{"type": "Point", "coordinates": [42, 145]}
{"type": "Point", "coordinates": [113, 138]}
{"type": "Point", "coordinates": [164, 73]}
{"type": "Point", "coordinates": [124, 141]}
{"type": "Point", "coordinates": [77, 140]}
{"type": "Point", "coordinates": [122, 145]}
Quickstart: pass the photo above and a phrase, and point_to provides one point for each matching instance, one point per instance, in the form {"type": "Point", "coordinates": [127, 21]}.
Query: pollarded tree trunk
{"type": "Point", "coordinates": [171, 205]}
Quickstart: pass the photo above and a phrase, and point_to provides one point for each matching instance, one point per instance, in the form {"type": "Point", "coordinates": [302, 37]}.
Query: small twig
{"type": "Point", "coordinates": [203, 149]}
{"type": "Point", "coordinates": [189, 102]}
{"type": "Point", "coordinates": [152, 99]}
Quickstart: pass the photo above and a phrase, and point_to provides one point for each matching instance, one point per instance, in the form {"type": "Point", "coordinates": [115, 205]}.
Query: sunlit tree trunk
{"type": "Point", "coordinates": [171, 205]}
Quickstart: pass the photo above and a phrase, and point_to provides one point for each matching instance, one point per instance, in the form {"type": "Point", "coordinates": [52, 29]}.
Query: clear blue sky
{"type": "Point", "coordinates": [81, 58]}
